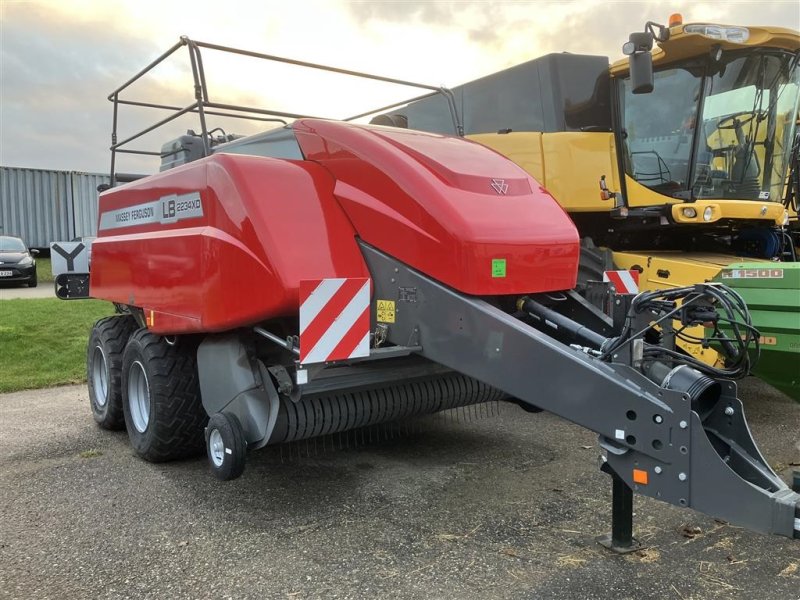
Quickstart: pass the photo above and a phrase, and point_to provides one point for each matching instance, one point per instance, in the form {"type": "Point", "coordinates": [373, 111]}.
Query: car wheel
{"type": "Point", "coordinates": [161, 398]}
{"type": "Point", "coordinates": [33, 281]}
{"type": "Point", "coordinates": [104, 369]}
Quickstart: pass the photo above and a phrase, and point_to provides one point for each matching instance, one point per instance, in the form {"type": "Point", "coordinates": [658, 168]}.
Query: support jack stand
{"type": "Point", "coordinates": [621, 539]}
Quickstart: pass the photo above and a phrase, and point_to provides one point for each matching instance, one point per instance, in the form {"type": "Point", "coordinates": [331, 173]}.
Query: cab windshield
{"type": "Point", "coordinates": [739, 147]}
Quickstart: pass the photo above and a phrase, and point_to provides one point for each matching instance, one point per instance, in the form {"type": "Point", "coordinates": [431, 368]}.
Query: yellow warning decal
{"type": "Point", "coordinates": [385, 311]}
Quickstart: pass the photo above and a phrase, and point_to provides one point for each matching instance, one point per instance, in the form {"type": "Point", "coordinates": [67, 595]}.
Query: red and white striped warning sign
{"type": "Point", "coordinates": [334, 319]}
{"type": "Point", "coordinates": [625, 282]}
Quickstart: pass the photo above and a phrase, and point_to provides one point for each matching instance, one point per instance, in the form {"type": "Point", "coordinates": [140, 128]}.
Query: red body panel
{"type": "Point", "coordinates": [267, 224]}
{"type": "Point", "coordinates": [428, 201]}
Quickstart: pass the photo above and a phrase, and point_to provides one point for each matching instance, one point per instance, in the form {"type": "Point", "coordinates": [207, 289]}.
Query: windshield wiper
{"type": "Point", "coordinates": [755, 113]}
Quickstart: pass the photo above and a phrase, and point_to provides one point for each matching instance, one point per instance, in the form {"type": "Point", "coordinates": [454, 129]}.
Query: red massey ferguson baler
{"type": "Point", "coordinates": [326, 276]}
{"type": "Point", "coordinates": [224, 242]}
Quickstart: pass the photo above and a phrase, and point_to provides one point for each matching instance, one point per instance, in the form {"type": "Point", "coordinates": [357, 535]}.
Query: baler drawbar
{"type": "Point", "coordinates": [325, 276]}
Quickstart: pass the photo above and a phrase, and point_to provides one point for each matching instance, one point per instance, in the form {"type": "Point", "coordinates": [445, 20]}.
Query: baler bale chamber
{"type": "Point", "coordinates": [325, 276]}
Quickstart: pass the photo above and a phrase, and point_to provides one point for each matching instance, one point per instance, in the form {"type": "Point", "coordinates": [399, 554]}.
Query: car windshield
{"type": "Point", "coordinates": [10, 244]}
{"type": "Point", "coordinates": [740, 146]}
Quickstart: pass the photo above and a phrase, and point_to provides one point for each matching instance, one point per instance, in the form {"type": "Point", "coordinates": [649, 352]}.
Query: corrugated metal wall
{"type": "Point", "coordinates": [84, 201]}
{"type": "Point", "coordinates": [48, 206]}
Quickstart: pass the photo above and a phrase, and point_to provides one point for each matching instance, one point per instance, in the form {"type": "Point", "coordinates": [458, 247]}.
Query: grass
{"type": "Point", "coordinates": [93, 453]}
{"type": "Point", "coordinates": [43, 341]}
{"type": "Point", "coordinates": [44, 271]}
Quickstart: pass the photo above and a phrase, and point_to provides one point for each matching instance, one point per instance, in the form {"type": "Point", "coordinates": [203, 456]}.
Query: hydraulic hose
{"type": "Point", "coordinates": [558, 322]}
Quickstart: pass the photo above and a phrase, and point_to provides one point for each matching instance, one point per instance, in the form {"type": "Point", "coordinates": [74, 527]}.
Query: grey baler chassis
{"type": "Point", "coordinates": [711, 465]}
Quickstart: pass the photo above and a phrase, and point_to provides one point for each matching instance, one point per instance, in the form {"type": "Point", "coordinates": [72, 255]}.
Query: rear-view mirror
{"type": "Point", "coordinates": [641, 67]}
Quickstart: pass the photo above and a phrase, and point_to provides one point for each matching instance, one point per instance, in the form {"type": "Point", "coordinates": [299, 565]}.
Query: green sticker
{"type": "Point", "coordinates": [498, 267]}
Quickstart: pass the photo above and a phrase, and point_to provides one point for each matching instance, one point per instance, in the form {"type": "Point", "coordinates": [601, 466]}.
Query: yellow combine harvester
{"type": "Point", "coordinates": [674, 162]}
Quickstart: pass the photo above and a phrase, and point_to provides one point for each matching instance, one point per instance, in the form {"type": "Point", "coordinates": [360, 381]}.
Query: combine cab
{"type": "Point", "coordinates": [326, 276]}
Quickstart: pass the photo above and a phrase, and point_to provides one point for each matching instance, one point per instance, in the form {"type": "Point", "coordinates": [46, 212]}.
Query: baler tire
{"type": "Point", "coordinates": [225, 446]}
{"type": "Point", "coordinates": [104, 369]}
{"type": "Point", "coordinates": [161, 398]}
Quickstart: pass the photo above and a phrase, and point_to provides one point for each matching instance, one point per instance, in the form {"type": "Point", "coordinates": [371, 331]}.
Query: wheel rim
{"type": "Point", "coordinates": [138, 396]}
{"type": "Point", "coordinates": [99, 377]}
{"type": "Point", "coordinates": [216, 448]}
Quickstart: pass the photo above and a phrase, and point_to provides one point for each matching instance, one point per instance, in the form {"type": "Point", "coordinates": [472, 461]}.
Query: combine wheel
{"type": "Point", "coordinates": [161, 398]}
{"type": "Point", "coordinates": [104, 369]}
{"type": "Point", "coordinates": [226, 446]}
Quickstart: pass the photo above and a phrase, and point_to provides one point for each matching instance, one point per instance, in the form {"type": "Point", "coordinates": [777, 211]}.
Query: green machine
{"type": "Point", "coordinates": [772, 293]}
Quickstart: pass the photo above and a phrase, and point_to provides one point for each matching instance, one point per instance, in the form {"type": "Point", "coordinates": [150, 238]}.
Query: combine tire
{"type": "Point", "coordinates": [225, 446]}
{"type": "Point", "coordinates": [104, 369]}
{"type": "Point", "coordinates": [161, 398]}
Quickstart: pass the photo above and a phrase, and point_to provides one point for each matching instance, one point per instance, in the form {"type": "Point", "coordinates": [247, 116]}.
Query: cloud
{"type": "Point", "coordinates": [430, 13]}
{"type": "Point", "coordinates": [59, 65]}
{"type": "Point", "coordinates": [59, 60]}
{"type": "Point", "coordinates": [517, 31]}
{"type": "Point", "coordinates": [55, 79]}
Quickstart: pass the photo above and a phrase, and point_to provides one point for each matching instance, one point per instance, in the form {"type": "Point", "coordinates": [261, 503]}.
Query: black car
{"type": "Point", "coordinates": [16, 261]}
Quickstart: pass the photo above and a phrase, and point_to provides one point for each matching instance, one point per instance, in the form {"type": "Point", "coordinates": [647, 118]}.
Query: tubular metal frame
{"type": "Point", "coordinates": [203, 101]}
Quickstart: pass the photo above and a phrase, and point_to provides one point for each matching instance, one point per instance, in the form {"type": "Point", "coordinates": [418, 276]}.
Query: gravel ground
{"type": "Point", "coordinates": [501, 507]}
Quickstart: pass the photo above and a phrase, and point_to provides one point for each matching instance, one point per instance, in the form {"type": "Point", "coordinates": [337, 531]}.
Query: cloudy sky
{"type": "Point", "coordinates": [60, 59]}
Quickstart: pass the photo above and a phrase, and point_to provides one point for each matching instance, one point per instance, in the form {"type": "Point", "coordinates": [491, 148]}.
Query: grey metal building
{"type": "Point", "coordinates": [42, 206]}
